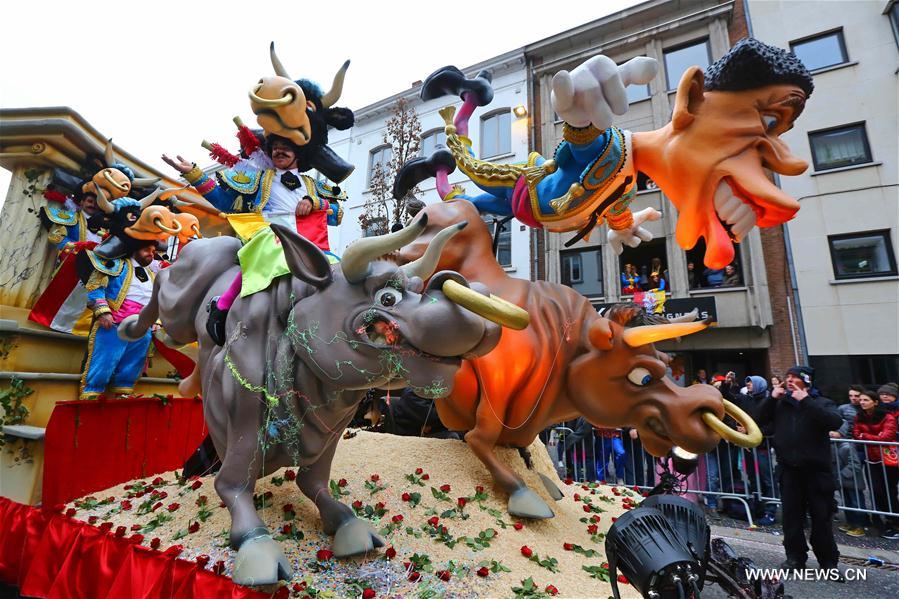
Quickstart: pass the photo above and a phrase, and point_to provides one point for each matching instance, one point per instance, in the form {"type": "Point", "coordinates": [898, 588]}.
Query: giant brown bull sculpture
{"type": "Point", "coordinates": [569, 362]}
{"type": "Point", "coordinates": [299, 357]}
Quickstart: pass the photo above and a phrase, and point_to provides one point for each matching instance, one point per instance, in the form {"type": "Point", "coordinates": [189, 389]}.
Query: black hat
{"type": "Point", "coordinates": [806, 373]}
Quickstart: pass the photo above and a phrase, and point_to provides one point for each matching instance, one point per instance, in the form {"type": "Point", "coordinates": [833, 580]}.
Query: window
{"type": "Point", "coordinates": [894, 20]}
{"type": "Point", "coordinates": [430, 141]}
{"type": "Point", "coordinates": [678, 60]}
{"type": "Point", "coordinates": [376, 226]}
{"type": "Point", "coordinates": [496, 134]}
{"type": "Point", "coordinates": [637, 266]}
{"type": "Point", "coordinates": [379, 156]}
{"type": "Point", "coordinates": [582, 271]}
{"type": "Point", "coordinates": [857, 255]}
{"type": "Point", "coordinates": [701, 277]}
{"type": "Point", "coordinates": [504, 245]}
{"type": "Point", "coordinates": [838, 147]}
{"type": "Point", "coordinates": [820, 51]}
{"type": "Point", "coordinates": [635, 93]}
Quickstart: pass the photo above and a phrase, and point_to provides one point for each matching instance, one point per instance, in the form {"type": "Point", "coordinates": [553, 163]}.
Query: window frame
{"type": "Point", "coordinates": [702, 40]}
{"type": "Point", "coordinates": [431, 133]}
{"type": "Point", "coordinates": [891, 257]}
{"type": "Point", "coordinates": [582, 258]}
{"type": "Point", "coordinates": [862, 125]}
{"type": "Point", "coordinates": [838, 31]}
{"type": "Point", "coordinates": [371, 160]}
{"type": "Point", "coordinates": [892, 13]}
{"type": "Point", "coordinates": [484, 119]}
{"type": "Point", "coordinates": [630, 87]}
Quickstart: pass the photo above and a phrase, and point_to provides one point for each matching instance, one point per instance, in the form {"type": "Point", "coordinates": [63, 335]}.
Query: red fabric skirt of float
{"type": "Point", "coordinates": [46, 554]}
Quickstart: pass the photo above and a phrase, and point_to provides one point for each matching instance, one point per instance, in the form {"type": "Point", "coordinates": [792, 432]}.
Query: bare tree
{"type": "Point", "coordinates": [403, 135]}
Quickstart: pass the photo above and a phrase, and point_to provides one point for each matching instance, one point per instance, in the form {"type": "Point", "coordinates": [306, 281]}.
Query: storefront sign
{"type": "Point", "coordinates": [674, 307]}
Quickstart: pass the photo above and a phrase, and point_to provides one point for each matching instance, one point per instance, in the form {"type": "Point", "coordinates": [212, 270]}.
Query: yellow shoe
{"type": "Point", "coordinates": [855, 532]}
{"type": "Point", "coordinates": [845, 528]}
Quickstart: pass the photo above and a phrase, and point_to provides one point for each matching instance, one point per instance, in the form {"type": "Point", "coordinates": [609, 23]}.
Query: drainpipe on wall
{"type": "Point", "coordinates": [532, 233]}
{"type": "Point", "coordinates": [794, 287]}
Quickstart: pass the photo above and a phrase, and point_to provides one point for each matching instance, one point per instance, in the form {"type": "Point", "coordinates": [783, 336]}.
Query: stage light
{"type": "Point", "coordinates": [520, 111]}
{"type": "Point", "coordinates": [683, 461]}
{"type": "Point", "coordinates": [689, 521]}
{"type": "Point", "coordinates": [651, 554]}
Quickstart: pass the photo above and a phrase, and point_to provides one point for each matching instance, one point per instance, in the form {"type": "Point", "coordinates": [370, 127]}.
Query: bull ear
{"type": "Point", "coordinates": [600, 334]}
{"type": "Point", "coordinates": [340, 118]}
{"type": "Point", "coordinates": [305, 261]}
{"type": "Point", "coordinates": [688, 99]}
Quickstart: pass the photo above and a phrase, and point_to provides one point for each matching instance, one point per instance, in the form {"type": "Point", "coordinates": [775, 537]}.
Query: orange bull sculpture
{"type": "Point", "coordinates": [568, 362]}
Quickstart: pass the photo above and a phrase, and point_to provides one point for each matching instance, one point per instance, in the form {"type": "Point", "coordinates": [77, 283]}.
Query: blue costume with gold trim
{"type": "Point", "coordinates": [111, 361]}
{"type": "Point", "coordinates": [66, 227]}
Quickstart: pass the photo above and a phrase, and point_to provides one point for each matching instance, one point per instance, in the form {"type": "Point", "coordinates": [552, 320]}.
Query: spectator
{"type": "Point", "coordinates": [875, 422]}
{"type": "Point", "coordinates": [656, 266]}
{"type": "Point", "coordinates": [412, 416]}
{"type": "Point", "coordinates": [848, 412]}
{"type": "Point", "coordinates": [639, 465]}
{"type": "Point", "coordinates": [610, 449]}
{"type": "Point", "coordinates": [581, 450]}
{"type": "Point", "coordinates": [629, 279]}
{"type": "Point", "coordinates": [731, 277]}
{"type": "Point", "coordinates": [714, 277]}
{"type": "Point", "coordinates": [702, 378]}
{"type": "Point", "coordinates": [757, 463]}
{"type": "Point", "coordinates": [776, 381]}
{"type": "Point", "coordinates": [656, 281]}
{"type": "Point", "coordinates": [644, 277]}
{"type": "Point", "coordinates": [691, 276]}
{"type": "Point", "coordinates": [850, 458]}
{"type": "Point", "coordinates": [802, 420]}
{"type": "Point", "coordinates": [888, 395]}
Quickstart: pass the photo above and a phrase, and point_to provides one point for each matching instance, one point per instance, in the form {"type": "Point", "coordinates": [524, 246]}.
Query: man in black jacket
{"type": "Point", "coordinates": [802, 421]}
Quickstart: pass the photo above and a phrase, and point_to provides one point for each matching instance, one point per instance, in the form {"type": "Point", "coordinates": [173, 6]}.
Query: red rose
{"type": "Point", "coordinates": [158, 481]}
{"type": "Point", "coordinates": [375, 478]}
{"type": "Point", "coordinates": [106, 526]}
{"type": "Point", "coordinates": [577, 496]}
{"type": "Point", "coordinates": [193, 527]}
{"type": "Point", "coordinates": [517, 525]}
{"type": "Point", "coordinates": [368, 594]}
{"type": "Point", "coordinates": [425, 476]}
{"type": "Point", "coordinates": [70, 512]}
{"type": "Point", "coordinates": [645, 493]}
{"type": "Point", "coordinates": [585, 487]}
{"type": "Point", "coordinates": [592, 529]}
{"type": "Point", "coordinates": [202, 500]}
{"type": "Point", "coordinates": [342, 482]}
{"type": "Point", "coordinates": [219, 567]}
{"type": "Point", "coordinates": [443, 529]}
{"type": "Point", "coordinates": [379, 505]}
{"type": "Point", "coordinates": [174, 550]}
{"type": "Point", "coordinates": [174, 506]}
{"type": "Point", "coordinates": [357, 505]}
{"type": "Point", "coordinates": [290, 475]}
{"type": "Point", "coordinates": [92, 520]}
{"type": "Point", "coordinates": [137, 539]}
{"type": "Point", "coordinates": [324, 555]}
{"type": "Point", "coordinates": [288, 507]}
{"type": "Point", "coordinates": [156, 506]}
{"type": "Point", "coordinates": [161, 495]}
{"type": "Point", "coordinates": [155, 543]}
{"type": "Point", "coordinates": [594, 518]}
{"type": "Point", "coordinates": [479, 489]}
{"type": "Point", "coordinates": [120, 531]}
{"type": "Point", "coordinates": [550, 589]}
{"type": "Point", "coordinates": [526, 551]}
{"type": "Point", "coordinates": [126, 505]}
{"type": "Point", "coordinates": [390, 552]}
{"type": "Point", "coordinates": [413, 576]}
{"type": "Point", "coordinates": [126, 487]}
{"type": "Point", "coordinates": [622, 579]}
{"type": "Point", "coordinates": [636, 488]}
{"type": "Point", "coordinates": [567, 546]}
{"type": "Point", "coordinates": [136, 527]}
{"type": "Point", "coordinates": [569, 481]}
{"type": "Point", "coordinates": [586, 507]}
{"type": "Point", "coordinates": [287, 529]}
{"type": "Point", "coordinates": [419, 471]}
{"type": "Point", "coordinates": [444, 575]}
{"type": "Point", "coordinates": [406, 497]}
{"type": "Point", "coordinates": [196, 485]}
{"type": "Point", "coordinates": [445, 488]}
{"type": "Point", "coordinates": [461, 501]}
{"type": "Point", "coordinates": [483, 572]}
{"type": "Point", "coordinates": [614, 519]}
{"type": "Point", "coordinates": [433, 520]}
{"type": "Point", "coordinates": [202, 560]}
{"type": "Point", "coordinates": [398, 518]}
{"type": "Point", "coordinates": [267, 495]}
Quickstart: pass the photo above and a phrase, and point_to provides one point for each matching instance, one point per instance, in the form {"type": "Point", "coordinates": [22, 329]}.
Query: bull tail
{"type": "Point", "coordinates": [136, 326]}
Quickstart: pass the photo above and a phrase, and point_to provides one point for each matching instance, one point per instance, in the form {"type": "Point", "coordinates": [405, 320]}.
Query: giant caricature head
{"type": "Point", "coordinates": [725, 131]}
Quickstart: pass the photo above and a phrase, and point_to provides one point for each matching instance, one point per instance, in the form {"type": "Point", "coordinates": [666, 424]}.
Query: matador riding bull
{"type": "Point", "coordinates": [300, 356]}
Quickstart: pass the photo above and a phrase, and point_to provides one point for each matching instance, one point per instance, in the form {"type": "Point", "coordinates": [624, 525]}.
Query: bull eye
{"type": "Point", "coordinates": [388, 297]}
{"type": "Point", "coordinates": [639, 376]}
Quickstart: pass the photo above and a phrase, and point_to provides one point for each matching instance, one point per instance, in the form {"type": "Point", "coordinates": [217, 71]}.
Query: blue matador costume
{"type": "Point", "coordinates": [243, 194]}
{"type": "Point", "coordinates": [590, 178]}
{"type": "Point", "coordinates": [114, 287]}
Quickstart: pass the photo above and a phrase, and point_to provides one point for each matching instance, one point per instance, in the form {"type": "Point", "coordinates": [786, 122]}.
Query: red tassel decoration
{"type": "Point", "coordinates": [222, 156]}
{"type": "Point", "coordinates": [249, 143]}
{"type": "Point", "coordinates": [51, 195]}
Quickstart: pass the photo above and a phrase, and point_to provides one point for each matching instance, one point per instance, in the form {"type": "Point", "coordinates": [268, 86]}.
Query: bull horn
{"type": "Point", "coordinates": [276, 63]}
{"type": "Point", "coordinates": [424, 267]}
{"type": "Point", "coordinates": [751, 438]}
{"type": "Point", "coordinates": [356, 259]}
{"type": "Point", "coordinates": [108, 154]}
{"type": "Point", "coordinates": [173, 192]}
{"type": "Point", "coordinates": [145, 181]}
{"type": "Point", "coordinates": [493, 308]}
{"type": "Point", "coordinates": [102, 202]}
{"type": "Point", "coordinates": [643, 335]}
{"type": "Point", "coordinates": [171, 231]}
{"type": "Point", "coordinates": [266, 102]}
{"type": "Point", "coordinates": [690, 316]}
{"type": "Point", "coordinates": [148, 201]}
{"type": "Point", "coordinates": [330, 98]}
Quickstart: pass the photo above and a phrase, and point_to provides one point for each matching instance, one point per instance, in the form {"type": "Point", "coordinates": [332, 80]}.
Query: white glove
{"type": "Point", "coordinates": [594, 90]}
{"type": "Point", "coordinates": [631, 237]}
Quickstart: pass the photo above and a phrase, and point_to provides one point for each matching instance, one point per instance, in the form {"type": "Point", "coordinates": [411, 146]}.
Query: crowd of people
{"type": "Point", "coordinates": [655, 276]}
{"type": "Point", "coordinates": [729, 276]}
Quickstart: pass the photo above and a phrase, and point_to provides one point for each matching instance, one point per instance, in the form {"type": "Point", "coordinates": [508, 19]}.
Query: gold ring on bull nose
{"type": "Point", "coordinates": [751, 438]}
{"type": "Point", "coordinates": [493, 308]}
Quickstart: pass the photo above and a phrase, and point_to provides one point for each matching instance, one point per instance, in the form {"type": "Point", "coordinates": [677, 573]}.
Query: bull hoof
{"type": "Point", "coordinates": [260, 561]}
{"type": "Point", "coordinates": [421, 169]}
{"type": "Point", "coordinates": [124, 328]}
{"type": "Point", "coordinates": [450, 81]}
{"type": "Point", "coordinates": [551, 487]}
{"type": "Point", "coordinates": [354, 537]}
{"type": "Point", "coordinates": [524, 503]}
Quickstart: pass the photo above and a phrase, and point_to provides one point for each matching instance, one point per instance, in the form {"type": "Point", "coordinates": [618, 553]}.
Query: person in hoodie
{"type": "Point", "coordinates": [757, 462]}
{"type": "Point", "coordinates": [876, 422]}
{"type": "Point", "coordinates": [802, 420]}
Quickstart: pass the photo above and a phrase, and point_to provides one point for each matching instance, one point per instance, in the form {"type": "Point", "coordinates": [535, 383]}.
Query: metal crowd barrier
{"type": "Point", "coordinates": [862, 488]}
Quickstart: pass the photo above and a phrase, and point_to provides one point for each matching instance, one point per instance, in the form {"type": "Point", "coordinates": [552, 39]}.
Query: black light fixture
{"type": "Point", "coordinates": [690, 523]}
{"type": "Point", "coordinates": [647, 549]}
{"type": "Point", "coordinates": [684, 462]}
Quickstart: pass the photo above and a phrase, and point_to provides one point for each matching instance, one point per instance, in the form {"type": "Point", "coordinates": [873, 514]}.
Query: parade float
{"type": "Point", "coordinates": [267, 342]}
